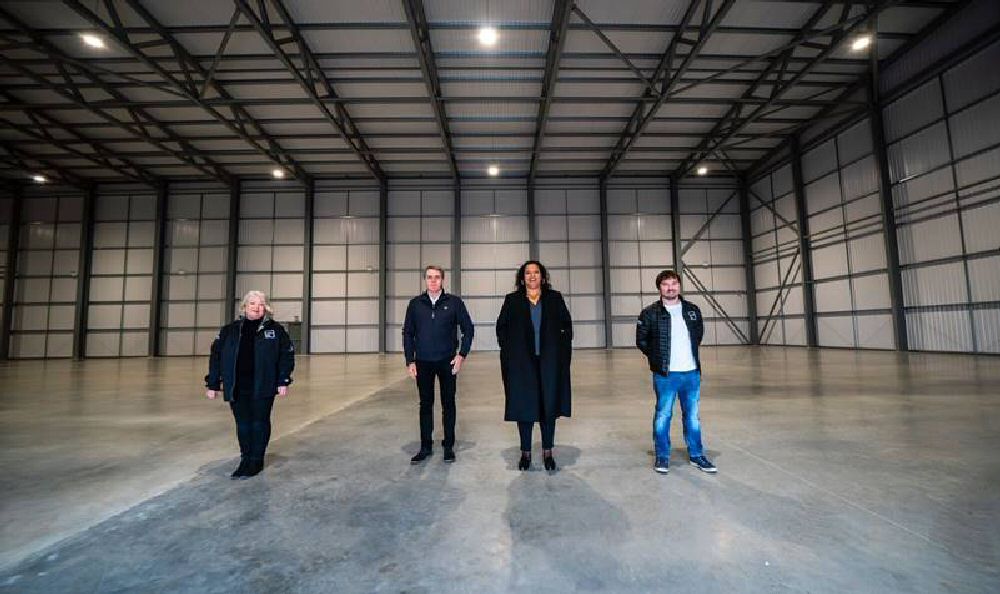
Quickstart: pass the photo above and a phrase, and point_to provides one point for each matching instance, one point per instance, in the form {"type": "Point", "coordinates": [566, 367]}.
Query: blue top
{"type": "Point", "coordinates": [536, 322]}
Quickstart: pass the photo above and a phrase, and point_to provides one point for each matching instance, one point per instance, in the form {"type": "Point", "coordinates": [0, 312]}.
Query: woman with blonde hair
{"type": "Point", "coordinates": [252, 360]}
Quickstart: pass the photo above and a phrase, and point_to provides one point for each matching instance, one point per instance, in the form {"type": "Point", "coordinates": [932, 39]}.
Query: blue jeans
{"type": "Point", "coordinates": [686, 385]}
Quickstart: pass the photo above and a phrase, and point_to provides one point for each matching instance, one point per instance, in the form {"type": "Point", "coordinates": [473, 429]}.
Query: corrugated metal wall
{"type": "Point", "coordinates": [714, 269]}
{"type": "Point", "coordinates": [121, 273]}
{"type": "Point", "coordinates": [841, 183]}
{"type": "Point", "coordinates": [776, 259]}
{"type": "Point", "coordinates": [944, 163]}
{"type": "Point", "coordinates": [195, 257]}
{"type": "Point", "coordinates": [45, 287]}
{"type": "Point", "coordinates": [344, 314]}
{"type": "Point", "coordinates": [639, 247]}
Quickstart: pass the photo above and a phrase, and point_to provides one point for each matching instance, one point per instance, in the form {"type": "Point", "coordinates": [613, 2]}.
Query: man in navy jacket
{"type": "Point", "coordinates": [429, 343]}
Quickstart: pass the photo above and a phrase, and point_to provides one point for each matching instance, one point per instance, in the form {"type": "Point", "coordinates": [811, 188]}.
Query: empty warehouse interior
{"type": "Point", "coordinates": [822, 175]}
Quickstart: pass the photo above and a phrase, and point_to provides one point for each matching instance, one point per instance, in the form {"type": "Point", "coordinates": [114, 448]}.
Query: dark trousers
{"type": "Point", "coordinates": [426, 372]}
{"type": "Point", "coordinates": [548, 434]}
{"type": "Point", "coordinates": [253, 425]}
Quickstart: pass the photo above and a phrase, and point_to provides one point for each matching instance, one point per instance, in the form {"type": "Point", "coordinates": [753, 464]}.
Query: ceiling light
{"type": "Point", "coordinates": [278, 173]}
{"type": "Point", "coordinates": [703, 171]}
{"type": "Point", "coordinates": [487, 35]}
{"type": "Point", "coordinates": [92, 40]}
{"type": "Point", "coordinates": [861, 43]}
{"type": "Point", "coordinates": [493, 170]}
{"type": "Point", "coordinates": [39, 179]}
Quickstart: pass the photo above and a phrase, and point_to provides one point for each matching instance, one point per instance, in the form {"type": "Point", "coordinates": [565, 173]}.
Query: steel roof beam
{"type": "Point", "coordinates": [309, 76]}
{"type": "Point", "coordinates": [642, 115]}
{"type": "Point", "coordinates": [706, 146]}
{"type": "Point", "coordinates": [140, 121]}
{"type": "Point", "coordinates": [557, 41]}
{"type": "Point", "coordinates": [195, 78]}
{"type": "Point", "coordinates": [420, 32]}
{"type": "Point", "coordinates": [21, 160]}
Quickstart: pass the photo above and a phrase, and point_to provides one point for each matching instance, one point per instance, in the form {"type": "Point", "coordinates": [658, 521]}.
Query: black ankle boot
{"type": "Point", "coordinates": [254, 467]}
{"type": "Point", "coordinates": [240, 470]}
{"type": "Point", "coordinates": [525, 462]}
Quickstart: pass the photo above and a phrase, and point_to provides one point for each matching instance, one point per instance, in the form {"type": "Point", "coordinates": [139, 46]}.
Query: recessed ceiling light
{"type": "Point", "coordinates": [487, 35]}
{"type": "Point", "coordinates": [39, 179]}
{"type": "Point", "coordinates": [493, 170]}
{"type": "Point", "coordinates": [278, 173]}
{"type": "Point", "coordinates": [703, 171]}
{"type": "Point", "coordinates": [861, 43]}
{"type": "Point", "coordinates": [92, 40]}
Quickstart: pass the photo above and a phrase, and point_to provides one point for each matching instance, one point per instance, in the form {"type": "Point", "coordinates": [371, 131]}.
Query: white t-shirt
{"type": "Point", "coordinates": [434, 298]}
{"type": "Point", "coordinates": [681, 353]}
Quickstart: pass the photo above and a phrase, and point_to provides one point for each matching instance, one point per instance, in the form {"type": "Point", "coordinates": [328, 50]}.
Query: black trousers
{"type": "Point", "coordinates": [253, 425]}
{"type": "Point", "coordinates": [426, 372]}
{"type": "Point", "coordinates": [548, 429]}
{"type": "Point", "coordinates": [546, 425]}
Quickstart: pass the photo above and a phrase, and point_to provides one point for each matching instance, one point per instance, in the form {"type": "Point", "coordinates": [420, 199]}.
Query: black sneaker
{"type": "Point", "coordinates": [662, 465]}
{"type": "Point", "coordinates": [702, 464]}
{"type": "Point", "coordinates": [449, 455]}
{"type": "Point", "coordinates": [421, 456]}
{"type": "Point", "coordinates": [240, 470]}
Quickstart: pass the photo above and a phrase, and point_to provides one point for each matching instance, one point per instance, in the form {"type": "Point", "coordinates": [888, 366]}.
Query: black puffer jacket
{"type": "Point", "coordinates": [652, 333]}
{"type": "Point", "coordinates": [274, 358]}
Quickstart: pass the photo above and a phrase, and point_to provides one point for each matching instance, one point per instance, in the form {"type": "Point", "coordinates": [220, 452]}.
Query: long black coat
{"type": "Point", "coordinates": [523, 388]}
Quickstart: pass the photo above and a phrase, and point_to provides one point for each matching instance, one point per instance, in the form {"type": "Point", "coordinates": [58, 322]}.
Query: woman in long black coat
{"type": "Point", "coordinates": [535, 333]}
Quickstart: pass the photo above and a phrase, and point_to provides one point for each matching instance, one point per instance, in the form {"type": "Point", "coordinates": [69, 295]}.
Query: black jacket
{"type": "Point", "coordinates": [526, 386]}
{"type": "Point", "coordinates": [652, 333]}
{"type": "Point", "coordinates": [274, 358]}
{"type": "Point", "coordinates": [429, 328]}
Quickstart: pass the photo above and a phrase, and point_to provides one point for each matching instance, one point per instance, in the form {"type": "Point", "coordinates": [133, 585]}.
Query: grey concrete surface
{"type": "Point", "coordinates": [839, 471]}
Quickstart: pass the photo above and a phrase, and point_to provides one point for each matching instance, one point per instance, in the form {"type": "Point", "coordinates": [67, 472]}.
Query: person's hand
{"type": "Point", "coordinates": [282, 390]}
{"type": "Point", "coordinates": [211, 394]}
{"type": "Point", "coordinates": [412, 370]}
{"type": "Point", "coordinates": [456, 364]}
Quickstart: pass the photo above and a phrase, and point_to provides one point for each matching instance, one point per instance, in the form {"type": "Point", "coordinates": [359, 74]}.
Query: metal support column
{"type": "Point", "coordinates": [675, 225]}
{"type": "Point", "coordinates": [83, 274]}
{"type": "Point", "coordinates": [456, 242]}
{"type": "Point", "coordinates": [234, 243]}
{"type": "Point", "coordinates": [10, 272]}
{"type": "Point", "coordinates": [751, 283]}
{"type": "Point", "coordinates": [532, 223]}
{"type": "Point", "coordinates": [606, 267]}
{"type": "Point", "coordinates": [888, 218]}
{"type": "Point", "coordinates": [383, 260]}
{"type": "Point", "coordinates": [307, 266]}
{"type": "Point", "coordinates": [156, 286]}
{"type": "Point", "coordinates": [805, 249]}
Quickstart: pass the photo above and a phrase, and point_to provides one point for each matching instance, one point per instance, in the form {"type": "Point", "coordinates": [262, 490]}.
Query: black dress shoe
{"type": "Point", "coordinates": [525, 462]}
{"type": "Point", "coordinates": [254, 467]}
{"type": "Point", "coordinates": [420, 457]}
{"type": "Point", "coordinates": [550, 462]}
{"type": "Point", "coordinates": [449, 455]}
{"type": "Point", "coordinates": [240, 470]}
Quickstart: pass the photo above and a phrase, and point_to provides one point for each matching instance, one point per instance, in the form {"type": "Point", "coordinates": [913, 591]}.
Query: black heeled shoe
{"type": "Point", "coordinates": [525, 462]}
{"type": "Point", "coordinates": [240, 470]}
{"type": "Point", "coordinates": [550, 462]}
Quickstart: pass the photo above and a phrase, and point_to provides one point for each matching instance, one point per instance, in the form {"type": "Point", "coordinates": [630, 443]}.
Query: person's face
{"type": "Point", "coordinates": [532, 277]}
{"type": "Point", "coordinates": [433, 279]}
{"type": "Point", "coordinates": [670, 288]}
{"type": "Point", "coordinates": [255, 308]}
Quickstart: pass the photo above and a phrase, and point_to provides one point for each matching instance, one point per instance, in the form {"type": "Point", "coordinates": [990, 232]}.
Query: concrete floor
{"type": "Point", "coordinates": [839, 471]}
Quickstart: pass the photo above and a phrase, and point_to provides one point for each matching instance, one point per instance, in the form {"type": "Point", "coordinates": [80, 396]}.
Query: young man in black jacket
{"type": "Point", "coordinates": [669, 333]}
{"type": "Point", "coordinates": [429, 343]}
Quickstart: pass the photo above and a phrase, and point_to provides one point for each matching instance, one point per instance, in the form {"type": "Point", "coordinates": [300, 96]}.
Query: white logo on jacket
{"type": "Point", "coordinates": [268, 333]}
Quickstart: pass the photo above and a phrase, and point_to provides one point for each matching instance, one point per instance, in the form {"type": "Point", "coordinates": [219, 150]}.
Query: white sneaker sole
{"type": "Point", "coordinates": [661, 470]}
